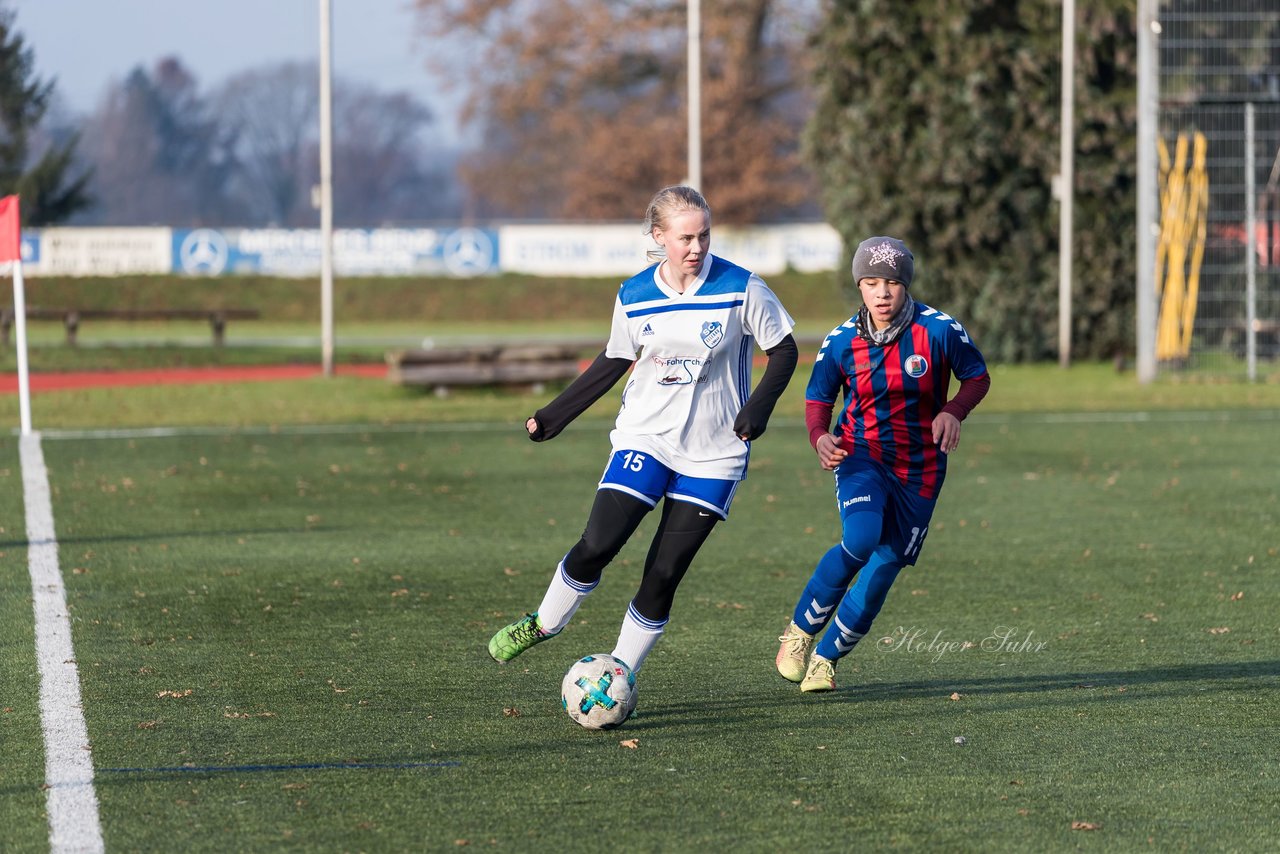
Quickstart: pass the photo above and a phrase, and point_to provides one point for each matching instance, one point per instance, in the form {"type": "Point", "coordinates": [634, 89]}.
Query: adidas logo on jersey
{"type": "Point", "coordinates": [648, 330]}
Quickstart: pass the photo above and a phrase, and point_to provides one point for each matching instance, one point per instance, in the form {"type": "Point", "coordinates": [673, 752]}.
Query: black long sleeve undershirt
{"type": "Point", "coordinates": [589, 387]}
{"type": "Point", "coordinates": [604, 372]}
{"type": "Point", "coordinates": [753, 418]}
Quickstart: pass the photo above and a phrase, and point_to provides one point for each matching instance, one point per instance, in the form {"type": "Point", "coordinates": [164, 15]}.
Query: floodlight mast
{"type": "Point", "coordinates": [20, 326]}
{"type": "Point", "coordinates": [1148, 224]}
{"type": "Point", "coordinates": [694, 70]}
{"type": "Point", "coordinates": [1066, 181]}
{"type": "Point", "coordinates": [326, 189]}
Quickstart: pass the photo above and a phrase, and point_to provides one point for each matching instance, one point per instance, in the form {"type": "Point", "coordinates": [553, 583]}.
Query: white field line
{"type": "Point", "coordinates": [1151, 417]}
{"type": "Point", "coordinates": [68, 765]}
{"type": "Point", "coordinates": [286, 430]}
{"type": "Point", "coordinates": [516, 427]}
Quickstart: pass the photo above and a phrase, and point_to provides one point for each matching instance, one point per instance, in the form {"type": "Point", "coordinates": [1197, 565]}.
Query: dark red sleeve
{"type": "Point", "coordinates": [817, 417]}
{"type": "Point", "coordinates": [971, 391]}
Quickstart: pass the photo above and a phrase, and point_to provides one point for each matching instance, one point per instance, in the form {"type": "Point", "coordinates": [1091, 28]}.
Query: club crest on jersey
{"type": "Point", "coordinates": [916, 366]}
{"type": "Point", "coordinates": [712, 333]}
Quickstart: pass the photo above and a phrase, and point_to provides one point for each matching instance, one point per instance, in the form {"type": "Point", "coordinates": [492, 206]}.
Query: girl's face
{"type": "Point", "coordinates": [884, 298]}
{"type": "Point", "coordinates": [687, 239]}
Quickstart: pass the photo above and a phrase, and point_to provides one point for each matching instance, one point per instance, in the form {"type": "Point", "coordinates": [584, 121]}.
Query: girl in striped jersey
{"type": "Point", "coordinates": [689, 325]}
{"type": "Point", "coordinates": [893, 362]}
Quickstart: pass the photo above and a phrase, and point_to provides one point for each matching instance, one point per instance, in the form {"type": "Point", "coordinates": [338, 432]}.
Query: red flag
{"type": "Point", "coordinates": [10, 230]}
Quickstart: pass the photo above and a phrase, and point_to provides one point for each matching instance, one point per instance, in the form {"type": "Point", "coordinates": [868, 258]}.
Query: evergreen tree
{"type": "Point", "coordinates": [50, 192]}
{"type": "Point", "coordinates": [938, 123]}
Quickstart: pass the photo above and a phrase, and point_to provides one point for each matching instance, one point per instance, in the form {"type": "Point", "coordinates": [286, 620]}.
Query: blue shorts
{"type": "Point", "coordinates": [865, 486]}
{"type": "Point", "coordinates": [643, 476]}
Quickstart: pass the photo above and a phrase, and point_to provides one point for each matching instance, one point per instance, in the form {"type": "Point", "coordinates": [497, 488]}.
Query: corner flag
{"type": "Point", "coordinates": [11, 251]}
{"type": "Point", "coordinates": [10, 230]}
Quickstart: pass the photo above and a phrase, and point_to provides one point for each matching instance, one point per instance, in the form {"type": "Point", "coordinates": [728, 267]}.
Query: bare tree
{"type": "Point", "coordinates": [581, 103]}
{"type": "Point", "coordinates": [274, 112]}
{"type": "Point", "coordinates": [159, 154]}
{"type": "Point", "coordinates": [388, 171]}
{"type": "Point", "coordinates": [386, 167]}
{"type": "Point", "coordinates": [247, 155]}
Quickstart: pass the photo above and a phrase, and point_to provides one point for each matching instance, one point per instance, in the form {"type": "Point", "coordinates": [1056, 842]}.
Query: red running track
{"type": "Point", "coordinates": [185, 376]}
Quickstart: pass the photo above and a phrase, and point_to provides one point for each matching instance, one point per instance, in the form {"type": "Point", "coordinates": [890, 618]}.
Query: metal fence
{"type": "Point", "coordinates": [1218, 253]}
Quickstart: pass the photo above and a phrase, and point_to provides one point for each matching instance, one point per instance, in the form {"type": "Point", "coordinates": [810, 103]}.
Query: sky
{"type": "Point", "coordinates": [85, 44]}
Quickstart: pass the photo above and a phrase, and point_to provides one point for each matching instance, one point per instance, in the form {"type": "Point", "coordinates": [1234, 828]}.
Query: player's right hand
{"type": "Point", "coordinates": [534, 428]}
{"type": "Point", "coordinates": [830, 454]}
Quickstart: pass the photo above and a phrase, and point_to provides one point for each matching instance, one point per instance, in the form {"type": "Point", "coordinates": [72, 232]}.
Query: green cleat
{"type": "Point", "coordinates": [821, 675]}
{"type": "Point", "coordinates": [794, 653]}
{"type": "Point", "coordinates": [517, 637]}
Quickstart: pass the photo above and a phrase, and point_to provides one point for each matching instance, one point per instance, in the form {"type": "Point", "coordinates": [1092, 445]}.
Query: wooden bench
{"type": "Point", "coordinates": [447, 367]}
{"type": "Point", "coordinates": [71, 317]}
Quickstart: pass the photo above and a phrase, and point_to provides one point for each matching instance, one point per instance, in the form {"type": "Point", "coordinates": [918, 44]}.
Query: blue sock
{"type": "Point", "coordinates": [825, 588]}
{"type": "Point", "coordinates": [840, 641]}
{"type": "Point", "coordinates": [860, 605]}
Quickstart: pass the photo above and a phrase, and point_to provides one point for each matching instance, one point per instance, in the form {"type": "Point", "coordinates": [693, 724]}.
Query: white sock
{"type": "Point", "coordinates": [561, 600]}
{"type": "Point", "coordinates": [636, 638]}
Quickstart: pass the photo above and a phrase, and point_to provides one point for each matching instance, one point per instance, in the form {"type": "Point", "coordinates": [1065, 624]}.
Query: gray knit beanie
{"type": "Point", "coordinates": [883, 257]}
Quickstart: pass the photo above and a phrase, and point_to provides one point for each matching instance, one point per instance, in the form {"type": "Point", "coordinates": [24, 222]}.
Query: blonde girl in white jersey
{"type": "Point", "coordinates": [689, 324]}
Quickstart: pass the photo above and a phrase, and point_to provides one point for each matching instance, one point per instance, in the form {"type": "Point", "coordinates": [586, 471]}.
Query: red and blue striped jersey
{"type": "Point", "coordinates": [892, 393]}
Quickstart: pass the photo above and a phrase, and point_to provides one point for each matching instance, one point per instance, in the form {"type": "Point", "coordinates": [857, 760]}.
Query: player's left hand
{"type": "Point", "coordinates": [946, 432]}
{"type": "Point", "coordinates": [536, 433]}
{"type": "Point", "coordinates": [749, 425]}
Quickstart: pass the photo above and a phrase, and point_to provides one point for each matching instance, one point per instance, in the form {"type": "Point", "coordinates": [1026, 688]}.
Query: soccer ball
{"type": "Point", "coordinates": [599, 692]}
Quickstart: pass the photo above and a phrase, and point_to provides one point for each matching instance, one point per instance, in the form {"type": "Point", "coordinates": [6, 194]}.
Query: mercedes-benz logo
{"type": "Point", "coordinates": [203, 251]}
{"type": "Point", "coordinates": [468, 252]}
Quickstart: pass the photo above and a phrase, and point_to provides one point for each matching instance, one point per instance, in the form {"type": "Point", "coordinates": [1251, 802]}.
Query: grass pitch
{"type": "Point", "coordinates": [281, 639]}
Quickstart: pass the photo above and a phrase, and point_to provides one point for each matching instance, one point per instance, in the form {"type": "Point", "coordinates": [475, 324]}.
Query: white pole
{"type": "Point", "coordinates": [326, 190]}
{"type": "Point", "coordinates": [1066, 181]}
{"type": "Point", "coordinates": [695, 93]}
{"type": "Point", "coordinates": [1148, 223]}
{"type": "Point", "coordinates": [20, 324]}
{"type": "Point", "coordinates": [1250, 246]}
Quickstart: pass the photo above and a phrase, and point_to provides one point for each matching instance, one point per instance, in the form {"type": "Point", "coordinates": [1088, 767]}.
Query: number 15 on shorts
{"type": "Point", "coordinates": [632, 461]}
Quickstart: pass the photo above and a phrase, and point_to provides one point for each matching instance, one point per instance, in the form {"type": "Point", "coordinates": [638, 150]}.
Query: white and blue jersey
{"type": "Point", "coordinates": [693, 353]}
